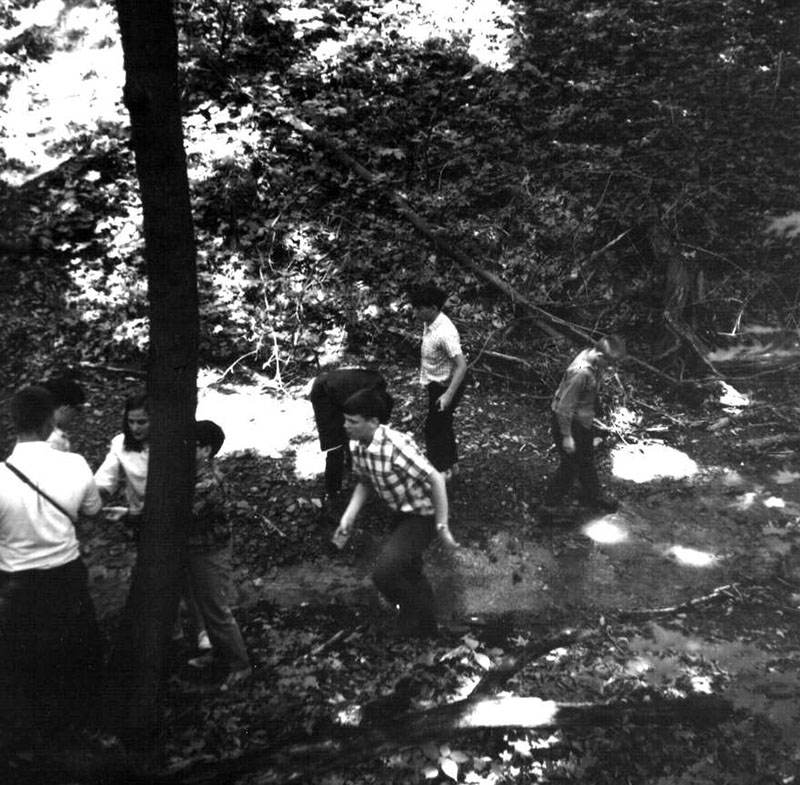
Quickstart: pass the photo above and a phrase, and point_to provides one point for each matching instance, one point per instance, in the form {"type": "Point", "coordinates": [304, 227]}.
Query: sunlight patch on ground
{"type": "Point", "coordinates": [644, 462]}
{"type": "Point", "coordinates": [258, 421]}
{"type": "Point", "coordinates": [309, 461]}
{"type": "Point", "coordinates": [746, 500]}
{"type": "Point", "coordinates": [731, 397]}
{"type": "Point", "coordinates": [691, 557]}
{"type": "Point", "coordinates": [605, 532]}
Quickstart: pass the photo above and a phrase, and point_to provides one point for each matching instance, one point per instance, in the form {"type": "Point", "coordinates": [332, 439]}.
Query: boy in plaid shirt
{"type": "Point", "coordinates": [442, 371]}
{"type": "Point", "coordinates": [390, 463]}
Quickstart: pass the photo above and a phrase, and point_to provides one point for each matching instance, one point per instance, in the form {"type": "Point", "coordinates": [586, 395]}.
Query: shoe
{"type": "Point", "coordinates": [235, 679]}
{"type": "Point", "coordinates": [203, 641]}
{"type": "Point", "coordinates": [202, 662]}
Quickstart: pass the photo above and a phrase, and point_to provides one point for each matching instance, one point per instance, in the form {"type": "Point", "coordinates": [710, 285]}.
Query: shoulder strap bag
{"type": "Point", "coordinates": [38, 490]}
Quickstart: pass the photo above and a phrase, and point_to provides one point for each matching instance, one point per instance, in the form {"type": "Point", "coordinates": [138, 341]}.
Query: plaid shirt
{"type": "Point", "coordinates": [396, 468]}
{"type": "Point", "coordinates": [440, 344]}
{"type": "Point", "coordinates": [210, 528]}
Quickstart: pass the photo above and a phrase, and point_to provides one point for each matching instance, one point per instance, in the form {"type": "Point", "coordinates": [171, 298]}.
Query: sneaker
{"type": "Point", "coordinates": [202, 662]}
{"type": "Point", "coordinates": [235, 679]}
{"type": "Point", "coordinates": [203, 641]}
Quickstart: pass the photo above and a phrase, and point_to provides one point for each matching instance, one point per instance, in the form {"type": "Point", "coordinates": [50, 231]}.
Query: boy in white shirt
{"type": "Point", "coordinates": [50, 644]}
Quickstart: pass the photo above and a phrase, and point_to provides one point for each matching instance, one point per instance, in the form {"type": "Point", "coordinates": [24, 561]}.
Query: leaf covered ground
{"type": "Point", "coordinates": [550, 166]}
{"type": "Point", "coordinates": [321, 663]}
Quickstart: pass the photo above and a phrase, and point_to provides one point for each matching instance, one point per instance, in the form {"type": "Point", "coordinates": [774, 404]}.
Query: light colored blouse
{"type": "Point", "coordinates": [124, 464]}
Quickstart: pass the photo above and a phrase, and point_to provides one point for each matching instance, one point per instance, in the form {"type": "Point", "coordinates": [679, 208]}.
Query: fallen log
{"type": "Point", "coordinates": [777, 440]}
{"type": "Point", "coordinates": [343, 750]}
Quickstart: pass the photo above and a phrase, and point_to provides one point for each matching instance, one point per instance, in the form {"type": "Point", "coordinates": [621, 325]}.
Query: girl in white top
{"type": "Point", "coordinates": [127, 457]}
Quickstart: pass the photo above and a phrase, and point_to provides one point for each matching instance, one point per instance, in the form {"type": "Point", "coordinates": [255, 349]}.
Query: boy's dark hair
{"type": "Point", "coordinates": [65, 391]}
{"type": "Point", "coordinates": [426, 295]}
{"type": "Point", "coordinates": [370, 403]}
{"type": "Point", "coordinates": [31, 407]}
{"type": "Point", "coordinates": [208, 434]}
{"type": "Point", "coordinates": [132, 403]}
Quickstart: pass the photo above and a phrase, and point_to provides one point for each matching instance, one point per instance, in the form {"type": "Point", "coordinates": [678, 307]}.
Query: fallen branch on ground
{"type": "Point", "coordinates": [721, 592]}
{"type": "Point", "coordinates": [345, 750]}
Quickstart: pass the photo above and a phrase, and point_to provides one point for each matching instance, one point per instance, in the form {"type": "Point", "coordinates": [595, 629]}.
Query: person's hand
{"type": "Point", "coordinates": [568, 445]}
{"type": "Point", "coordinates": [341, 536]}
{"type": "Point", "coordinates": [342, 533]}
{"type": "Point", "coordinates": [445, 399]}
{"type": "Point", "coordinates": [446, 538]}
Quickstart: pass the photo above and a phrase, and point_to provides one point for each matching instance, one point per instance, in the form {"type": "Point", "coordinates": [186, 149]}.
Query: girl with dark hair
{"type": "Point", "coordinates": [127, 458]}
{"type": "Point", "coordinates": [126, 462]}
{"type": "Point", "coordinates": [389, 462]}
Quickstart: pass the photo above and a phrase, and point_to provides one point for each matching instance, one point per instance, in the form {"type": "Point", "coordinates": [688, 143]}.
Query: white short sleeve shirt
{"type": "Point", "coordinates": [34, 534]}
{"type": "Point", "coordinates": [440, 346]}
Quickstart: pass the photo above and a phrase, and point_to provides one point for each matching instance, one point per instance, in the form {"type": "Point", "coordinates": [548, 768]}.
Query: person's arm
{"type": "Point", "coordinates": [565, 410]}
{"type": "Point", "coordinates": [459, 372]}
{"type": "Point", "coordinates": [347, 522]}
{"type": "Point", "coordinates": [107, 476]}
{"type": "Point", "coordinates": [91, 504]}
{"type": "Point", "coordinates": [441, 509]}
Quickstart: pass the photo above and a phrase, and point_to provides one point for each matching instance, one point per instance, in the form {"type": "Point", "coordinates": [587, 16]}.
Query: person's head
{"type": "Point", "coordinates": [209, 438]}
{"type": "Point", "coordinates": [427, 301]}
{"type": "Point", "coordinates": [364, 411]}
{"type": "Point", "coordinates": [610, 349]}
{"type": "Point", "coordinates": [32, 412]}
{"type": "Point", "coordinates": [136, 422]}
{"type": "Point", "coordinates": [68, 398]}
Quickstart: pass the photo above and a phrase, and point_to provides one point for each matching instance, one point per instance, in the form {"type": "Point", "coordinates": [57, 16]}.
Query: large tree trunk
{"type": "Point", "coordinates": [149, 42]}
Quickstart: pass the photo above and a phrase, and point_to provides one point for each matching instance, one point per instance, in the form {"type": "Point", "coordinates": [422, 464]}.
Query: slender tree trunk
{"type": "Point", "coordinates": [151, 95]}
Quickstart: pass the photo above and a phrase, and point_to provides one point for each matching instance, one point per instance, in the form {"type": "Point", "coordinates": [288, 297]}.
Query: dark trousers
{"type": "Point", "coordinates": [336, 460]}
{"type": "Point", "coordinates": [398, 572]}
{"type": "Point", "coordinates": [329, 418]}
{"type": "Point", "coordinates": [50, 644]}
{"type": "Point", "coordinates": [578, 466]}
{"type": "Point", "coordinates": [209, 578]}
{"type": "Point", "coordinates": [440, 440]}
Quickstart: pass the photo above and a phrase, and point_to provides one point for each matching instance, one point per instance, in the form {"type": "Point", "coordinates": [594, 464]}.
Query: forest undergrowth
{"type": "Point", "coordinates": [611, 144]}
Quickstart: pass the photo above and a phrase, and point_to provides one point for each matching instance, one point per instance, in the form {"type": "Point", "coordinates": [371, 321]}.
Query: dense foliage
{"type": "Point", "coordinates": [550, 156]}
{"type": "Point", "coordinates": [572, 148]}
